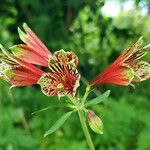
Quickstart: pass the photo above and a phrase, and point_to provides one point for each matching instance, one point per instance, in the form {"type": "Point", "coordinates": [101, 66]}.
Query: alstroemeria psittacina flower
{"type": "Point", "coordinates": [127, 68]}
{"type": "Point", "coordinates": [18, 67]}
{"type": "Point", "coordinates": [63, 77]}
{"type": "Point", "coordinates": [17, 71]}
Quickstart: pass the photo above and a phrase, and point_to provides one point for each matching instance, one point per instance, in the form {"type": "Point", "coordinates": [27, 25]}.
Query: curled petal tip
{"type": "Point", "coordinates": [12, 87]}
{"type": "Point", "coordinates": [132, 85]}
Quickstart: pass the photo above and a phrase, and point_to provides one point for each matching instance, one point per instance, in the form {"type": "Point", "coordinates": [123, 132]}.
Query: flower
{"type": "Point", "coordinates": [127, 68]}
{"type": "Point", "coordinates": [17, 71]}
{"type": "Point", "coordinates": [19, 68]}
{"type": "Point", "coordinates": [63, 77]}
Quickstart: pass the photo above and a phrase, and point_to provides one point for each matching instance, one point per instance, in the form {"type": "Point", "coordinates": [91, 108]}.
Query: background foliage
{"type": "Point", "coordinates": [97, 39]}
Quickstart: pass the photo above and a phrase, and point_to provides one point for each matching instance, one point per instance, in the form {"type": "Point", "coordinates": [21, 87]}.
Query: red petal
{"type": "Point", "coordinates": [28, 66]}
{"type": "Point", "coordinates": [33, 42]}
{"type": "Point", "coordinates": [27, 54]}
{"type": "Point", "coordinates": [33, 36]}
{"type": "Point", "coordinates": [20, 76]}
{"type": "Point", "coordinates": [120, 75]}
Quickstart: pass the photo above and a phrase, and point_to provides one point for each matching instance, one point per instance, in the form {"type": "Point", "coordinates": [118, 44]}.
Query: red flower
{"type": "Point", "coordinates": [17, 71]}
{"type": "Point", "coordinates": [18, 68]}
{"type": "Point", "coordinates": [63, 77]}
{"type": "Point", "coordinates": [127, 68]}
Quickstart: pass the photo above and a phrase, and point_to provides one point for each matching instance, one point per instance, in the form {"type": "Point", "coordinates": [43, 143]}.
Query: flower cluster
{"type": "Point", "coordinates": [20, 67]}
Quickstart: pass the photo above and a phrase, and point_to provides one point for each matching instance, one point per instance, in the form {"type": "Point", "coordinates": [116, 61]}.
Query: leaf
{"type": "Point", "coordinates": [51, 107]}
{"type": "Point", "coordinates": [98, 99]}
{"type": "Point", "coordinates": [58, 123]}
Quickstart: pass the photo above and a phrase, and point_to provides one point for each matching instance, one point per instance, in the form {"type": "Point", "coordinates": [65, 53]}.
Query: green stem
{"type": "Point", "coordinates": [85, 130]}
{"type": "Point", "coordinates": [73, 100]}
{"type": "Point", "coordinates": [86, 94]}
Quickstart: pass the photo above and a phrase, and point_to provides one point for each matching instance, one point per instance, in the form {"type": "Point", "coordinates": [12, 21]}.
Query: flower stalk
{"type": "Point", "coordinates": [81, 110]}
{"type": "Point", "coordinates": [85, 130]}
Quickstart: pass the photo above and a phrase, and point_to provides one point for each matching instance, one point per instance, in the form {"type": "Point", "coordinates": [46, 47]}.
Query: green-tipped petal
{"type": "Point", "coordinates": [7, 53]}
{"type": "Point", "coordinates": [15, 50]}
{"type": "Point", "coordinates": [22, 35]}
{"type": "Point", "coordinates": [139, 42]}
{"type": "Point", "coordinates": [3, 49]}
{"type": "Point", "coordinates": [147, 47]}
{"type": "Point", "coordinates": [25, 26]}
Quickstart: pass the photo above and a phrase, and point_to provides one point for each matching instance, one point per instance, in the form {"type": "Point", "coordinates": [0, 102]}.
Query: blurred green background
{"type": "Point", "coordinates": [97, 31]}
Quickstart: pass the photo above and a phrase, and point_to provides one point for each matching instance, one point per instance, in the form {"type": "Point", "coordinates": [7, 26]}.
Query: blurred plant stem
{"type": "Point", "coordinates": [85, 129]}
{"type": "Point", "coordinates": [80, 107]}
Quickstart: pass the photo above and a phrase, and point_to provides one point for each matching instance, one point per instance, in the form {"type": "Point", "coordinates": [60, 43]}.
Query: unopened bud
{"type": "Point", "coordinates": [95, 122]}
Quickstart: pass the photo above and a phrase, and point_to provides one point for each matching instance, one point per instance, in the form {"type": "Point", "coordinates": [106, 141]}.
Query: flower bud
{"type": "Point", "coordinates": [95, 122]}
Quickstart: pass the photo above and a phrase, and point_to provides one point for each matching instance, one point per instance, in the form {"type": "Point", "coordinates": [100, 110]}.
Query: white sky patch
{"type": "Point", "coordinates": [129, 5]}
{"type": "Point", "coordinates": [111, 8]}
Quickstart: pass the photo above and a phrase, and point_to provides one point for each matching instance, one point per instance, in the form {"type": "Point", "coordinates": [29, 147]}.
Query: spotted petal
{"type": "Point", "coordinates": [134, 52]}
{"type": "Point", "coordinates": [142, 71]}
{"type": "Point", "coordinates": [67, 57]}
{"type": "Point", "coordinates": [50, 84]}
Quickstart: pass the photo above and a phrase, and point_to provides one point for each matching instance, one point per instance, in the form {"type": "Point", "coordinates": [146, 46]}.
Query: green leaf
{"type": "Point", "coordinates": [54, 106]}
{"type": "Point", "coordinates": [98, 99]}
{"type": "Point", "coordinates": [58, 123]}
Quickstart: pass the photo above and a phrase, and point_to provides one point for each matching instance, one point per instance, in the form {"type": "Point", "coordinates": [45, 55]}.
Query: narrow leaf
{"type": "Point", "coordinates": [58, 123]}
{"type": "Point", "coordinates": [50, 107]}
{"type": "Point", "coordinates": [98, 99]}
